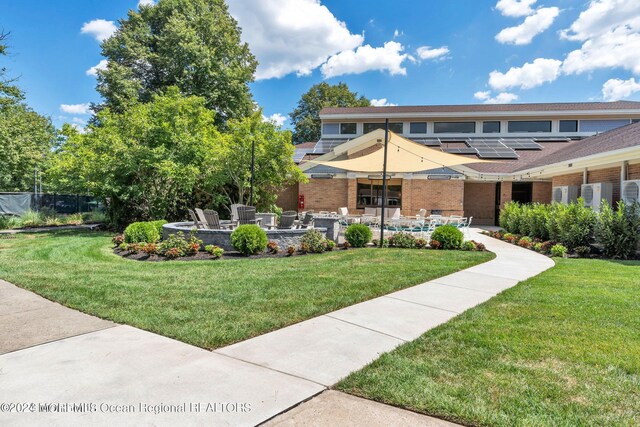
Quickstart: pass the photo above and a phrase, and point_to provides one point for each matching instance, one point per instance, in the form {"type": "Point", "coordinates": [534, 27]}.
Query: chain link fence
{"type": "Point", "coordinates": [19, 203]}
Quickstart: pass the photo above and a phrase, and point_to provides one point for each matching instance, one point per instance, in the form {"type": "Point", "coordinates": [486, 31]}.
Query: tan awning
{"type": "Point", "coordinates": [403, 156]}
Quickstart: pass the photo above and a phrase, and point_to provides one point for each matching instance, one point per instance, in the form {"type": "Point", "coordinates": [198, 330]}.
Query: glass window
{"type": "Point", "coordinates": [454, 127]}
{"type": "Point", "coordinates": [418, 127]}
{"type": "Point", "coordinates": [568, 126]}
{"type": "Point", "coordinates": [348, 128]}
{"type": "Point", "coordinates": [530, 126]}
{"type": "Point", "coordinates": [370, 193]}
{"type": "Point", "coordinates": [330, 128]}
{"type": "Point", "coordinates": [393, 127]}
{"type": "Point", "coordinates": [490, 127]}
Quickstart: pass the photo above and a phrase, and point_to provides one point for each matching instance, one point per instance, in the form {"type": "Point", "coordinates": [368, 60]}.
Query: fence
{"type": "Point", "coordinates": [19, 203]}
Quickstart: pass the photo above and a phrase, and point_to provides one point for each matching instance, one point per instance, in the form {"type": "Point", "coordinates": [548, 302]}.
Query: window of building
{"type": "Point", "coordinates": [348, 128]}
{"type": "Point", "coordinates": [568, 126]}
{"type": "Point", "coordinates": [331, 128]}
{"type": "Point", "coordinates": [393, 127]}
{"type": "Point", "coordinates": [417, 127]}
{"type": "Point", "coordinates": [370, 193]}
{"type": "Point", "coordinates": [530, 126]}
{"type": "Point", "coordinates": [490, 127]}
{"type": "Point", "coordinates": [635, 120]}
{"type": "Point", "coordinates": [454, 127]}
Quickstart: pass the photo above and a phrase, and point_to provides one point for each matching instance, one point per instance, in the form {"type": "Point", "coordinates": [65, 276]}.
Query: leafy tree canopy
{"type": "Point", "coordinates": [159, 158]}
{"type": "Point", "coordinates": [306, 116]}
{"type": "Point", "coordinates": [192, 44]}
{"type": "Point", "coordinates": [26, 138]}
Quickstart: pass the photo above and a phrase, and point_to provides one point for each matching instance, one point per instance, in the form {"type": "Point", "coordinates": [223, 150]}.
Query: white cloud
{"type": "Point", "coordinates": [531, 27]}
{"type": "Point", "coordinates": [615, 89]}
{"type": "Point", "coordinates": [366, 58]}
{"type": "Point", "coordinates": [382, 102]}
{"type": "Point", "coordinates": [610, 32]}
{"type": "Point", "coordinates": [501, 98]}
{"type": "Point", "coordinates": [93, 71]}
{"type": "Point", "coordinates": [99, 28]}
{"type": "Point", "coordinates": [146, 3]}
{"type": "Point", "coordinates": [530, 75]}
{"type": "Point", "coordinates": [397, 33]}
{"type": "Point", "coordinates": [290, 36]}
{"type": "Point", "coordinates": [515, 8]}
{"type": "Point", "coordinates": [76, 108]}
{"type": "Point", "coordinates": [426, 52]}
{"type": "Point", "coordinates": [275, 118]}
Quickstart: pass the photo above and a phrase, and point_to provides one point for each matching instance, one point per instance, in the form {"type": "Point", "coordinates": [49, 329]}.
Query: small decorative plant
{"type": "Point", "coordinates": [479, 246]}
{"type": "Point", "coordinates": [537, 247]}
{"type": "Point", "coordinates": [525, 242]}
{"type": "Point", "coordinates": [330, 244]}
{"type": "Point", "coordinates": [420, 243]}
{"type": "Point", "coordinates": [358, 235]}
{"type": "Point", "coordinates": [172, 253]}
{"type": "Point", "coordinates": [314, 241]}
{"type": "Point", "coordinates": [469, 245]}
{"type": "Point", "coordinates": [291, 250]}
{"type": "Point", "coordinates": [273, 247]}
{"type": "Point", "coordinates": [546, 246]}
{"type": "Point", "coordinates": [346, 244]}
{"type": "Point", "coordinates": [117, 240]}
{"type": "Point", "coordinates": [249, 239]}
{"type": "Point", "coordinates": [376, 243]}
{"type": "Point", "coordinates": [304, 248]}
{"type": "Point", "coordinates": [559, 250]}
{"type": "Point", "coordinates": [134, 248]}
{"type": "Point", "coordinates": [122, 246]}
{"type": "Point", "coordinates": [434, 244]}
{"type": "Point", "coordinates": [215, 251]}
{"type": "Point", "coordinates": [139, 232]}
{"type": "Point", "coordinates": [582, 251]}
{"type": "Point", "coordinates": [404, 240]}
{"type": "Point", "coordinates": [449, 236]}
{"type": "Point", "coordinates": [150, 248]}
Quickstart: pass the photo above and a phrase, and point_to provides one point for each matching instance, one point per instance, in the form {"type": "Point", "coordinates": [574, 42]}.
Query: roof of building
{"type": "Point", "coordinates": [486, 108]}
{"type": "Point", "coordinates": [304, 145]}
{"type": "Point", "coordinates": [552, 153]}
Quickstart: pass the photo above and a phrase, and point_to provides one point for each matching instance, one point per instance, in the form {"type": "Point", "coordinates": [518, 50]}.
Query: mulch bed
{"type": "Point", "coordinates": [204, 256]}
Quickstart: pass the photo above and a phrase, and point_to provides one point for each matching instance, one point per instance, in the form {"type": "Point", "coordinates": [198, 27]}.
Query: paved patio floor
{"type": "Point", "coordinates": [54, 355]}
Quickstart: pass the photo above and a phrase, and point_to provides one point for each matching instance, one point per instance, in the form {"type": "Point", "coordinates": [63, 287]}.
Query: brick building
{"type": "Point", "coordinates": [533, 148]}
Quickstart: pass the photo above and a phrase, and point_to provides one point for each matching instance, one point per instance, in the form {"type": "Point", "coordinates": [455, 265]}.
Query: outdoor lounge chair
{"type": "Point", "coordinates": [234, 212]}
{"type": "Point", "coordinates": [212, 220]}
{"type": "Point", "coordinates": [196, 222]}
{"type": "Point", "coordinates": [287, 220]}
{"type": "Point", "coordinates": [421, 213]}
{"type": "Point", "coordinates": [343, 211]}
{"type": "Point", "coordinates": [307, 221]}
{"type": "Point", "coordinates": [201, 218]}
{"type": "Point", "coordinates": [247, 215]}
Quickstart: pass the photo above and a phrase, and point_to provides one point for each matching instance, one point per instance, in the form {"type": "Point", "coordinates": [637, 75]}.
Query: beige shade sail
{"type": "Point", "coordinates": [403, 156]}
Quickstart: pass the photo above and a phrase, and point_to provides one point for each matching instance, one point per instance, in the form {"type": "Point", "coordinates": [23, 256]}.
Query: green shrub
{"type": "Point", "coordinates": [117, 240]}
{"type": "Point", "coordinates": [525, 242]}
{"type": "Point", "coordinates": [468, 246]}
{"type": "Point", "coordinates": [215, 251]}
{"type": "Point", "coordinates": [138, 232]}
{"type": "Point", "coordinates": [74, 219]}
{"type": "Point", "coordinates": [618, 232]}
{"type": "Point", "coordinates": [449, 236]}
{"type": "Point", "coordinates": [178, 244]}
{"type": "Point", "coordinates": [330, 245]}
{"type": "Point", "coordinates": [4, 222]}
{"type": "Point", "coordinates": [314, 241]}
{"type": "Point", "coordinates": [537, 247]}
{"type": "Point", "coordinates": [272, 247]}
{"type": "Point", "coordinates": [249, 239]}
{"type": "Point", "coordinates": [404, 240]}
{"type": "Point", "coordinates": [158, 225]}
{"type": "Point", "coordinates": [51, 221]}
{"type": "Point", "coordinates": [94, 217]}
{"type": "Point", "coordinates": [537, 218]}
{"type": "Point", "coordinates": [479, 246]}
{"type": "Point", "coordinates": [421, 243]}
{"type": "Point", "coordinates": [572, 224]}
{"type": "Point", "coordinates": [510, 217]}
{"type": "Point", "coordinates": [558, 250]}
{"type": "Point", "coordinates": [358, 235]}
{"type": "Point", "coordinates": [434, 244]}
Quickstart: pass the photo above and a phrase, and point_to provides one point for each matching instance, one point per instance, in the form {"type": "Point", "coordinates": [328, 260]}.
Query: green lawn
{"type": "Point", "coordinates": [561, 349]}
{"type": "Point", "coordinates": [213, 303]}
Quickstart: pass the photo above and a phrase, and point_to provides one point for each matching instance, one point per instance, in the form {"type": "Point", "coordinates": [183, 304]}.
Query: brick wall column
{"type": "Point", "coordinates": [505, 192]}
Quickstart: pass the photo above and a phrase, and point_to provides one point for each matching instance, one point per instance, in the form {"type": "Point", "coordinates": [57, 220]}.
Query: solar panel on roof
{"type": "Point", "coordinates": [460, 150]}
{"type": "Point", "coordinates": [299, 154]}
{"type": "Point", "coordinates": [522, 144]}
{"type": "Point", "coordinates": [429, 142]}
{"type": "Point", "coordinates": [326, 145]}
{"type": "Point", "coordinates": [491, 148]}
{"type": "Point", "coordinates": [551, 139]}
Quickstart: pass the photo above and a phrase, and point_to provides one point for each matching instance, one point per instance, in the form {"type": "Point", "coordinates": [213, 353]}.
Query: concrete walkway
{"type": "Point", "coordinates": [53, 357]}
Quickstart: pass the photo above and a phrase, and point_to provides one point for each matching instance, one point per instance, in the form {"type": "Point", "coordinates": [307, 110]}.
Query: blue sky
{"type": "Point", "coordinates": [549, 51]}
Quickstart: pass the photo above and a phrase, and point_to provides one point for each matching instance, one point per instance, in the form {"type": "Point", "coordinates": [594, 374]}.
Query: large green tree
{"type": "Point", "coordinates": [306, 116]}
{"type": "Point", "coordinates": [192, 44]}
{"type": "Point", "coordinates": [26, 137]}
{"type": "Point", "coordinates": [145, 163]}
{"type": "Point", "coordinates": [274, 166]}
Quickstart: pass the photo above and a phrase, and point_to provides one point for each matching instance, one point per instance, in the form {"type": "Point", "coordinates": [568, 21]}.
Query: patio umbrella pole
{"type": "Point", "coordinates": [384, 180]}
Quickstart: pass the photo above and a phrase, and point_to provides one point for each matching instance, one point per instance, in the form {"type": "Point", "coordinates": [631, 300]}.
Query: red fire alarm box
{"type": "Point", "coordinates": [301, 201]}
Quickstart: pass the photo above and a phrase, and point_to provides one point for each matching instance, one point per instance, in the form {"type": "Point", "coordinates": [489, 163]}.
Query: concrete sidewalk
{"type": "Point", "coordinates": [120, 368]}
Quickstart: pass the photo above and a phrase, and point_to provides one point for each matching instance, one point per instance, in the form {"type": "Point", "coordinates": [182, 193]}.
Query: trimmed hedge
{"type": "Point", "coordinates": [249, 239]}
{"type": "Point", "coordinates": [449, 236]}
{"type": "Point", "coordinates": [144, 232]}
{"type": "Point", "coordinates": [358, 235]}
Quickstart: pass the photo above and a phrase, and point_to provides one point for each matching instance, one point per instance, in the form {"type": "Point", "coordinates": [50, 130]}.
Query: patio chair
{"type": "Point", "coordinates": [307, 221]}
{"type": "Point", "coordinates": [196, 222]}
{"type": "Point", "coordinates": [234, 212]}
{"type": "Point", "coordinates": [343, 211]}
{"type": "Point", "coordinates": [421, 213]}
{"type": "Point", "coordinates": [428, 228]}
{"type": "Point", "coordinates": [247, 215]}
{"type": "Point", "coordinates": [287, 219]}
{"type": "Point", "coordinates": [213, 220]}
{"type": "Point", "coordinates": [370, 211]}
{"type": "Point", "coordinates": [201, 217]}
